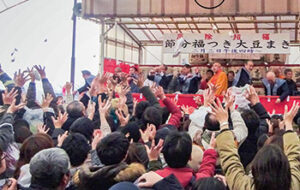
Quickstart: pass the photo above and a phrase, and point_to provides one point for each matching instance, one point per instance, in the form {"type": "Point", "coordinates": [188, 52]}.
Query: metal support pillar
{"type": "Point", "coordinates": [73, 47]}
{"type": "Point", "coordinates": [102, 45]}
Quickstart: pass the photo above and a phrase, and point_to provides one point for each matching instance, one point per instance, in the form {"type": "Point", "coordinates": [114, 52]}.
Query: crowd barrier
{"type": "Point", "coordinates": [267, 101]}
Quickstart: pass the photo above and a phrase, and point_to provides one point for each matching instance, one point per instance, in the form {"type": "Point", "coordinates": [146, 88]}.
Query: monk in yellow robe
{"type": "Point", "coordinates": [219, 79]}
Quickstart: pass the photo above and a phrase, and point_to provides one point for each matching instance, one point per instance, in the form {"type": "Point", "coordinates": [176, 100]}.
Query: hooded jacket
{"type": "Point", "coordinates": [102, 178]}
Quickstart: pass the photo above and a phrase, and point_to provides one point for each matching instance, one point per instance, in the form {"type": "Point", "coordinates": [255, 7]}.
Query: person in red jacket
{"type": "Point", "coordinates": [177, 151]}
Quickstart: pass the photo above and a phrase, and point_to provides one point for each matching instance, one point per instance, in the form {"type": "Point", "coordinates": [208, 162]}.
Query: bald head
{"type": "Point", "coordinates": [271, 76]}
{"type": "Point", "coordinates": [216, 67]}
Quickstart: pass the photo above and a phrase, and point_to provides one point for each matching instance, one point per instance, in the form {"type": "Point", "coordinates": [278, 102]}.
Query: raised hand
{"type": "Point", "coordinates": [42, 129]}
{"type": "Point", "coordinates": [68, 87]}
{"type": "Point", "coordinates": [41, 71]}
{"type": "Point", "coordinates": [46, 101]}
{"type": "Point", "coordinates": [20, 79]}
{"type": "Point", "coordinates": [60, 120]}
{"type": "Point", "coordinates": [159, 92]}
{"type": "Point", "coordinates": [135, 102]}
{"type": "Point", "coordinates": [149, 179]}
{"type": "Point", "coordinates": [212, 144]}
{"type": "Point", "coordinates": [148, 133]}
{"type": "Point", "coordinates": [13, 107]}
{"type": "Point", "coordinates": [252, 96]}
{"type": "Point", "coordinates": [187, 110]}
{"type": "Point", "coordinates": [289, 115]}
{"type": "Point", "coordinates": [198, 100]}
{"type": "Point", "coordinates": [30, 74]}
{"type": "Point", "coordinates": [154, 151]}
{"type": "Point", "coordinates": [61, 139]}
{"type": "Point", "coordinates": [103, 106]}
{"type": "Point", "coordinates": [8, 97]}
{"type": "Point", "coordinates": [123, 120]}
{"type": "Point", "coordinates": [97, 138]}
{"type": "Point", "coordinates": [219, 112]}
{"type": "Point", "coordinates": [90, 111]}
{"type": "Point", "coordinates": [229, 100]}
{"type": "Point", "coordinates": [124, 90]}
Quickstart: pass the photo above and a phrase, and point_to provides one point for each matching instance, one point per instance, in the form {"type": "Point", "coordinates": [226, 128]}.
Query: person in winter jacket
{"type": "Point", "coordinates": [112, 151]}
{"type": "Point", "coordinates": [177, 151]}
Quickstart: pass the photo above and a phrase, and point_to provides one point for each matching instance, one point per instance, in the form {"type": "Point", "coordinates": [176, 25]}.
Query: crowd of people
{"type": "Point", "coordinates": [106, 139]}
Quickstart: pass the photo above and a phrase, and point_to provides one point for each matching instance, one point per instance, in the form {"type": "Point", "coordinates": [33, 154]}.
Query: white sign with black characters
{"type": "Point", "coordinates": [207, 43]}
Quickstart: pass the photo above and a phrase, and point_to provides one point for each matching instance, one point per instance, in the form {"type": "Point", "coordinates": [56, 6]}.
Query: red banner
{"type": "Point", "coordinates": [267, 101]}
{"type": "Point", "coordinates": [111, 64]}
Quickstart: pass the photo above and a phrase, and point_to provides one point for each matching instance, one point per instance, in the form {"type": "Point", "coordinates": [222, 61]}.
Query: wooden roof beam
{"type": "Point", "coordinates": [231, 25]}
{"type": "Point", "coordinates": [255, 25]}
{"type": "Point", "coordinates": [235, 25]}
{"type": "Point", "coordinates": [297, 28]}
{"type": "Point", "coordinates": [143, 30]}
{"type": "Point", "coordinates": [150, 31]}
{"type": "Point", "coordinates": [196, 24]}
{"type": "Point", "coordinates": [189, 26]}
{"type": "Point", "coordinates": [176, 25]}
{"type": "Point", "coordinates": [205, 22]}
{"type": "Point", "coordinates": [162, 32]}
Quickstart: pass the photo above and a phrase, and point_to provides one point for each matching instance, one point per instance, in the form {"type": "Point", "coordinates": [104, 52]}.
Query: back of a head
{"type": "Point", "coordinates": [113, 148]}
{"type": "Point", "coordinates": [21, 123]}
{"type": "Point", "coordinates": [84, 126]}
{"type": "Point", "coordinates": [211, 123]}
{"type": "Point", "coordinates": [209, 183]}
{"type": "Point", "coordinates": [33, 145]}
{"type": "Point", "coordinates": [22, 130]}
{"type": "Point", "coordinates": [177, 149]}
{"type": "Point", "coordinates": [140, 108]}
{"type": "Point", "coordinates": [48, 167]}
{"type": "Point", "coordinates": [75, 109]}
{"type": "Point", "coordinates": [21, 134]}
{"type": "Point", "coordinates": [196, 158]}
{"type": "Point", "coordinates": [277, 139]}
{"type": "Point", "coordinates": [77, 148]}
{"type": "Point", "coordinates": [137, 153]}
{"type": "Point", "coordinates": [271, 169]}
{"type": "Point", "coordinates": [251, 120]}
{"type": "Point", "coordinates": [152, 115]}
{"type": "Point", "coordinates": [261, 141]}
{"type": "Point", "coordinates": [163, 132]}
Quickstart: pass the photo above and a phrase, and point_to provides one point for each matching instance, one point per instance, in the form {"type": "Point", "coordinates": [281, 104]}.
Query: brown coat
{"type": "Point", "coordinates": [234, 170]}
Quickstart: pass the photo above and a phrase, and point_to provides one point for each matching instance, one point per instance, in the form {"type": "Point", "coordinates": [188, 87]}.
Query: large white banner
{"type": "Point", "coordinates": [263, 43]}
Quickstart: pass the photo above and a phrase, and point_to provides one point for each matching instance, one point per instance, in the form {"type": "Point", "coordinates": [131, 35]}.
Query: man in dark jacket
{"type": "Point", "coordinates": [243, 77]}
{"type": "Point", "coordinates": [291, 84]}
{"type": "Point", "coordinates": [88, 78]}
{"type": "Point", "coordinates": [161, 77]}
{"type": "Point", "coordinates": [111, 151]}
{"type": "Point", "coordinates": [275, 87]}
{"type": "Point", "coordinates": [188, 81]}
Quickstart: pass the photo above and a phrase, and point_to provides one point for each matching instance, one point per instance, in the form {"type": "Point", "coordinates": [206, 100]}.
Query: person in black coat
{"type": "Point", "coordinates": [291, 84]}
{"type": "Point", "coordinates": [243, 77]}
{"type": "Point", "coordinates": [188, 82]}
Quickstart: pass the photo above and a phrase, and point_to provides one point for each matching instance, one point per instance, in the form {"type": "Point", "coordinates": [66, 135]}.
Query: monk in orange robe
{"type": "Point", "coordinates": [219, 79]}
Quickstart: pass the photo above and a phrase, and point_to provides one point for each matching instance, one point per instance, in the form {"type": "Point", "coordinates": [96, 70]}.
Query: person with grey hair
{"type": "Point", "coordinates": [50, 170]}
